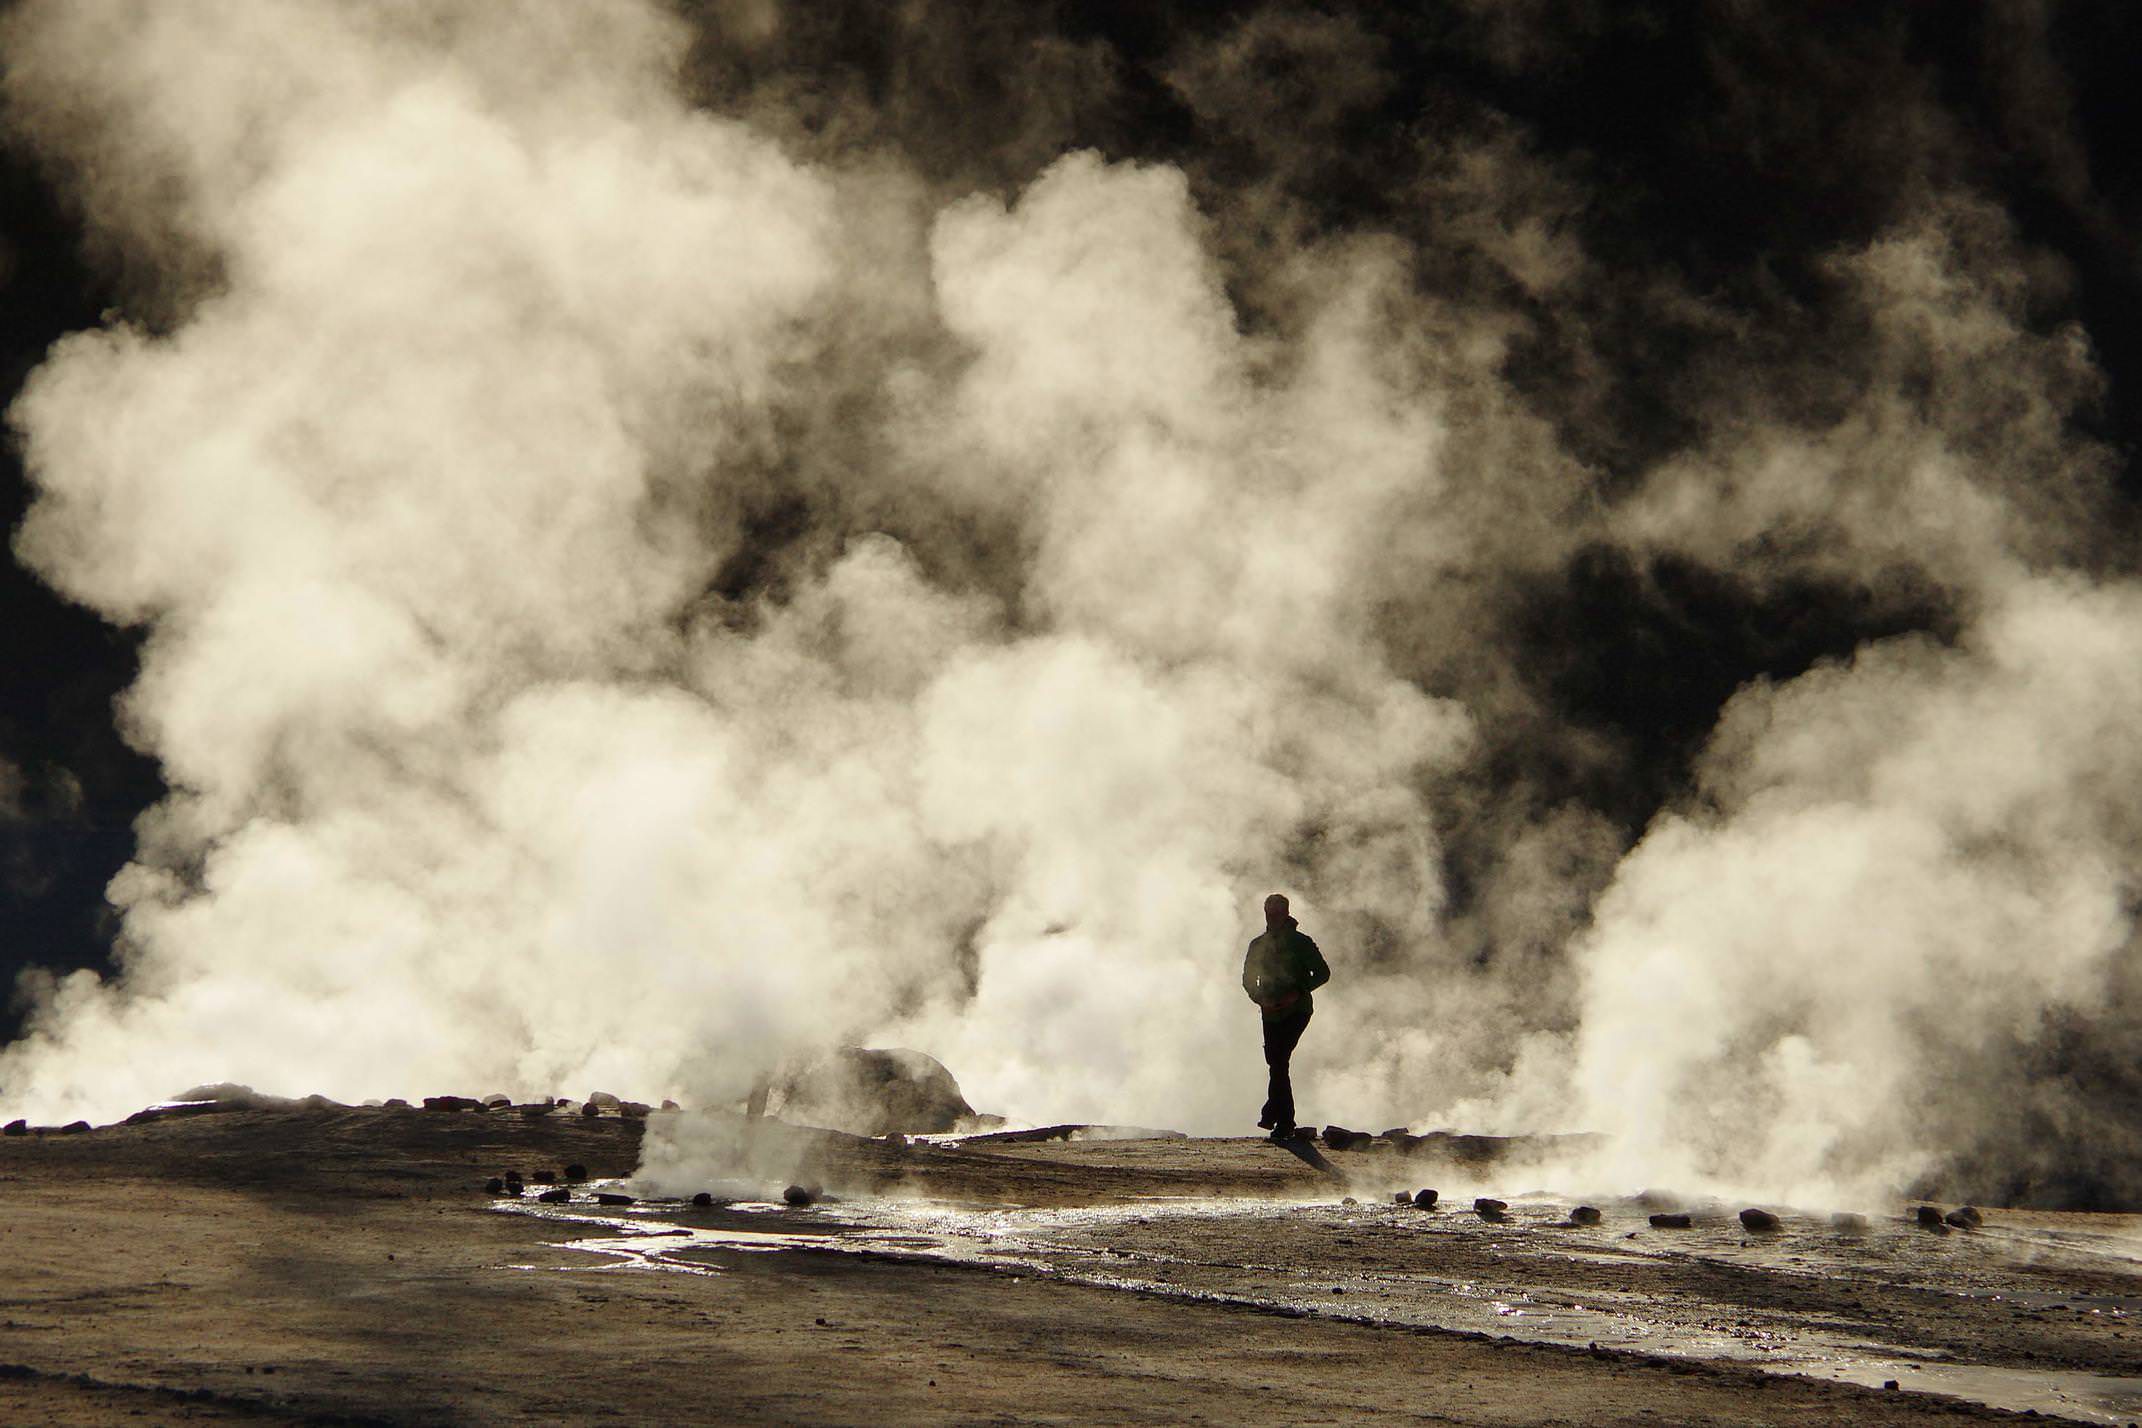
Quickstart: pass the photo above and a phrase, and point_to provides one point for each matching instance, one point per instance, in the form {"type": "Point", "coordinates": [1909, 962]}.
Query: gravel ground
{"type": "Point", "coordinates": [346, 1265]}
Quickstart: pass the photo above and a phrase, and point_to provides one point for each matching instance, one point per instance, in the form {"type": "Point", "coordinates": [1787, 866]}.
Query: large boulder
{"type": "Point", "coordinates": [872, 1092]}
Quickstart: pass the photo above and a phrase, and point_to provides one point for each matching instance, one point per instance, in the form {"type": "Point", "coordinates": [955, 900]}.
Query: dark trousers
{"type": "Point", "coordinates": [1280, 1035]}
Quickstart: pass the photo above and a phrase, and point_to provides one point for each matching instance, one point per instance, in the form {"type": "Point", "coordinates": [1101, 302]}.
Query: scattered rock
{"type": "Point", "coordinates": [607, 1198]}
{"type": "Point", "coordinates": [556, 1197]}
{"type": "Point", "coordinates": [801, 1195]}
{"type": "Point", "coordinates": [1929, 1217]}
{"type": "Point", "coordinates": [1401, 1197]}
{"type": "Point", "coordinates": [575, 1173]}
{"type": "Point", "coordinates": [494, 1186]}
{"type": "Point", "coordinates": [634, 1110]}
{"type": "Point", "coordinates": [451, 1103]}
{"type": "Point", "coordinates": [669, 1105]}
{"type": "Point", "coordinates": [590, 1110]}
{"type": "Point", "coordinates": [604, 1099]}
{"type": "Point", "coordinates": [493, 1102]}
{"type": "Point", "coordinates": [1340, 1138]}
{"type": "Point", "coordinates": [395, 1103]}
{"type": "Point", "coordinates": [1847, 1223]}
{"type": "Point", "coordinates": [74, 1128]}
{"type": "Point", "coordinates": [1964, 1217]}
{"type": "Point", "coordinates": [1424, 1199]}
{"type": "Point", "coordinates": [1758, 1222]}
{"type": "Point", "coordinates": [702, 1199]}
{"type": "Point", "coordinates": [16, 1127]}
{"type": "Point", "coordinates": [1671, 1222]}
{"type": "Point", "coordinates": [536, 1111]}
{"type": "Point", "coordinates": [513, 1178]}
{"type": "Point", "coordinates": [1584, 1215]}
{"type": "Point", "coordinates": [1349, 1200]}
{"type": "Point", "coordinates": [1486, 1203]}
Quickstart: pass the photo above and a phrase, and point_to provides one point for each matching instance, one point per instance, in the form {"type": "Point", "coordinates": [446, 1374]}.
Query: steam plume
{"type": "Point", "coordinates": [658, 559]}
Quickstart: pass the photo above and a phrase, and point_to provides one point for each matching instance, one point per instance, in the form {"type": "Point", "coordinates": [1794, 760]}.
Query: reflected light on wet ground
{"type": "Point", "coordinates": [1866, 1308]}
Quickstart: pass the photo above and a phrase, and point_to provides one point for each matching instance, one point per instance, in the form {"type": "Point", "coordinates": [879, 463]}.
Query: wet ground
{"type": "Point", "coordinates": [340, 1265]}
{"type": "Point", "coordinates": [2028, 1313]}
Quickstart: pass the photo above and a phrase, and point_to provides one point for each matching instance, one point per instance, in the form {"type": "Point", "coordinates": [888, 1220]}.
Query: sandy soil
{"type": "Point", "coordinates": [345, 1265]}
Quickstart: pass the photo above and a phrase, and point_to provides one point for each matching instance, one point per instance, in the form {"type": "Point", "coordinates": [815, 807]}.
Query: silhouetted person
{"type": "Point", "coordinates": [1283, 967]}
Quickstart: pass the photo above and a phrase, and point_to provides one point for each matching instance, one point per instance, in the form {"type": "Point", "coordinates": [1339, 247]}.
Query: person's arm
{"type": "Point", "coordinates": [1252, 978]}
{"type": "Point", "coordinates": [1315, 971]}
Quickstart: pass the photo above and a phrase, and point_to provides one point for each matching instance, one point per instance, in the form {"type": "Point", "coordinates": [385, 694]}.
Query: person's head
{"type": "Point", "coordinates": [1275, 909]}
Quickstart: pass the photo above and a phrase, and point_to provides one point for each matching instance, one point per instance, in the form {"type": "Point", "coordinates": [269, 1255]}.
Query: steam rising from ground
{"type": "Point", "coordinates": [636, 596]}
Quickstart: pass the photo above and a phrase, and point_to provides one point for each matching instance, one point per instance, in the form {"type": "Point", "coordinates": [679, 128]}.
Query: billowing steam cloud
{"type": "Point", "coordinates": [640, 590]}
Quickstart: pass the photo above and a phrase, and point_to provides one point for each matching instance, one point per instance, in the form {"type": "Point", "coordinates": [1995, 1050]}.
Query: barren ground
{"type": "Point", "coordinates": [345, 1265]}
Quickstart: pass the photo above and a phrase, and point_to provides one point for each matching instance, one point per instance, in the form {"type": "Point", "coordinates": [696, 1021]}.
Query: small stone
{"type": "Point", "coordinates": [669, 1105]}
{"type": "Point", "coordinates": [1929, 1217]}
{"type": "Point", "coordinates": [1485, 1204]}
{"type": "Point", "coordinates": [1584, 1215]}
{"type": "Point", "coordinates": [1424, 1199]}
{"type": "Point", "coordinates": [537, 1111]}
{"type": "Point", "coordinates": [591, 1110]}
{"type": "Point", "coordinates": [575, 1173]}
{"type": "Point", "coordinates": [607, 1198]}
{"type": "Point", "coordinates": [1671, 1222]}
{"type": "Point", "coordinates": [1844, 1222]}
{"type": "Point", "coordinates": [493, 1102]}
{"type": "Point", "coordinates": [1964, 1217]}
{"type": "Point", "coordinates": [604, 1099]}
{"type": "Point", "coordinates": [634, 1110]}
{"type": "Point", "coordinates": [556, 1197]}
{"type": "Point", "coordinates": [800, 1195]}
{"type": "Point", "coordinates": [16, 1127]}
{"type": "Point", "coordinates": [494, 1186]}
{"type": "Point", "coordinates": [1340, 1138]}
{"type": "Point", "coordinates": [1889, 1385]}
{"type": "Point", "coordinates": [74, 1128]}
{"type": "Point", "coordinates": [1349, 1200]}
{"type": "Point", "coordinates": [1401, 1197]}
{"type": "Point", "coordinates": [702, 1200]}
{"type": "Point", "coordinates": [1760, 1222]}
{"type": "Point", "coordinates": [395, 1103]}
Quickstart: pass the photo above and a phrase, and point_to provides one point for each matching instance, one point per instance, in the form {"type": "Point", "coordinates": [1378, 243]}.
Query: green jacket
{"type": "Point", "coordinates": [1283, 967]}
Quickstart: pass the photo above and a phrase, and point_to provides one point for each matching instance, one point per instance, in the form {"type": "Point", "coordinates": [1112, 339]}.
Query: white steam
{"type": "Point", "coordinates": [628, 605]}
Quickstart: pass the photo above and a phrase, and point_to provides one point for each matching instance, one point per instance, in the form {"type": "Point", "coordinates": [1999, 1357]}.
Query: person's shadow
{"type": "Point", "coordinates": [1304, 1150]}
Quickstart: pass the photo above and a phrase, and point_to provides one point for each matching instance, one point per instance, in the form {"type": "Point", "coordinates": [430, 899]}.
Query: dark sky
{"type": "Point", "coordinates": [1724, 148]}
